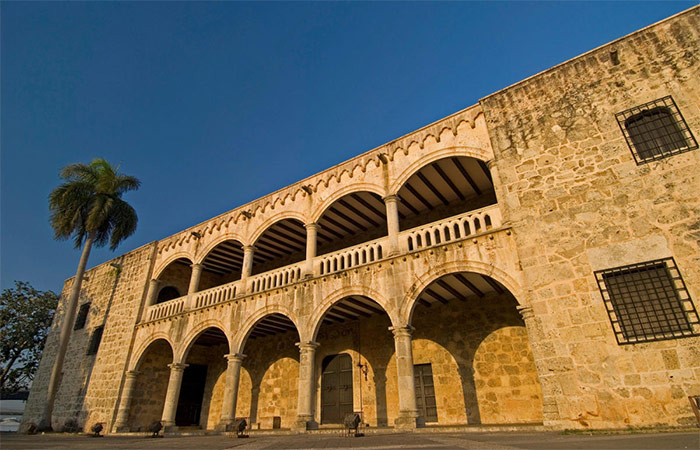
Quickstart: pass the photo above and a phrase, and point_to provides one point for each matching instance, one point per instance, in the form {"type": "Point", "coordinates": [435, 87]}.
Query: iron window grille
{"type": "Point", "coordinates": [95, 341]}
{"type": "Point", "coordinates": [656, 130]}
{"type": "Point", "coordinates": [82, 316]}
{"type": "Point", "coordinates": [648, 302]}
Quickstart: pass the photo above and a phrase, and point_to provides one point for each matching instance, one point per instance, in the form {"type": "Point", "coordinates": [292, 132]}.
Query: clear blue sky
{"type": "Point", "coordinates": [212, 105]}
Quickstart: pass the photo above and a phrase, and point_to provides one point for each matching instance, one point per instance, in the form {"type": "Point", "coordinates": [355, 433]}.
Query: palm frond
{"type": "Point", "coordinates": [89, 201]}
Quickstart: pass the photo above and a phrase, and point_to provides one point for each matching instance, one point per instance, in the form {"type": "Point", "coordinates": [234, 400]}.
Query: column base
{"type": "Point", "coordinates": [409, 420]}
{"type": "Point", "coordinates": [171, 428]}
{"type": "Point", "coordinates": [305, 423]}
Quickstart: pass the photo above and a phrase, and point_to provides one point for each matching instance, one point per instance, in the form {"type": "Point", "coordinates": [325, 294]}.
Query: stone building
{"type": "Point", "coordinates": [533, 258]}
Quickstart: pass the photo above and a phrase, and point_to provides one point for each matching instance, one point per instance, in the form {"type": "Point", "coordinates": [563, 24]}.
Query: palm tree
{"type": "Point", "coordinates": [87, 207]}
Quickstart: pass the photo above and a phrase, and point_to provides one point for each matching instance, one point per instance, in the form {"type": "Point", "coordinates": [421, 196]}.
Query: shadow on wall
{"type": "Point", "coordinates": [269, 381]}
{"type": "Point", "coordinates": [479, 346]}
{"type": "Point", "coordinates": [151, 386]}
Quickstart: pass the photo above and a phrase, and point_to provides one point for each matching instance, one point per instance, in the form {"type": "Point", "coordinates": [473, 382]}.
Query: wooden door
{"type": "Point", "coordinates": [425, 392]}
{"type": "Point", "coordinates": [336, 388]}
{"type": "Point", "coordinates": [189, 405]}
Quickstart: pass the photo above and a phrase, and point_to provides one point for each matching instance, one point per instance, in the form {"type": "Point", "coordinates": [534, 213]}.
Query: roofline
{"type": "Point", "coordinates": [568, 61]}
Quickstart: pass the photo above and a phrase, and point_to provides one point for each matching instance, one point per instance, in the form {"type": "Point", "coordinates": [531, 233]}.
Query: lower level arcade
{"type": "Point", "coordinates": [465, 358]}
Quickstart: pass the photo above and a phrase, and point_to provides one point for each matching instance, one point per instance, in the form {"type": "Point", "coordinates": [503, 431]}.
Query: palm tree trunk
{"type": "Point", "coordinates": [68, 321]}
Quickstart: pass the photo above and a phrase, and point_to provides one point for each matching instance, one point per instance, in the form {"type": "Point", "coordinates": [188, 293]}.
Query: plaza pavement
{"type": "Point", "coordinates": [480, 441]}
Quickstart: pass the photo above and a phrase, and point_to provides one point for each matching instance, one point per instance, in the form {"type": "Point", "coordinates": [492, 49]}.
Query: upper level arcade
{"type": "Point", "coordinates": [427, 188]}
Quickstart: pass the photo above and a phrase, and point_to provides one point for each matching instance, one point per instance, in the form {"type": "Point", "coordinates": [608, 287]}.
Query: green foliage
{"type": "Point", "coordinates": [25, 318]}
{"type": "Point", "coordinates": [89, 201]}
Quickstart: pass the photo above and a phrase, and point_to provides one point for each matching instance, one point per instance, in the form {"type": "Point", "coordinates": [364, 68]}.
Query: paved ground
{"type": "Point", "coordinates": [480, 441]}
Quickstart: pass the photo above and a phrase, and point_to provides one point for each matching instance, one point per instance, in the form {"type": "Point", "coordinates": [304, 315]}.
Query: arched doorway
{"type": "Point", "coordinates": [269, 380]}
{"type": "Point", "coordinates": [151, 385]}
{"type": "Point", "coordinates": [471, 351]}
{"type": "Point", "coordinates": [352, 361]}
{"type": "Point", "coordinates": [203, 381]}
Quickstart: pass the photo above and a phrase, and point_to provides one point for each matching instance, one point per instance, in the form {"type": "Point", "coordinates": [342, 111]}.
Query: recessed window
{"type": "Point", "coordinates": [656, 130]}
{"type": "Point", "coordinates": [82, 316]}
{"type": "Point", "coordinates": [95, 340]}
{"type": "Point", "coordinates": [648, 302]}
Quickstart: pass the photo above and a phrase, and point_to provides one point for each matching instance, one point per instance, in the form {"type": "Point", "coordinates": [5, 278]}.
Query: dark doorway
{"type": "Point", "coordinates": [336, 388]}
{"type": "Point", "coordinates": [425, 392]}
{"type": "Point", "coordinates": [189, 405]}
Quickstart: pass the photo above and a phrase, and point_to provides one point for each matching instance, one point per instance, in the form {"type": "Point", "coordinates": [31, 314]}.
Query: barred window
{"type": "Point", "coordinates": [82, 316]}
{"type": "Point", "coordinates": [648, 302]}
{"type": "Point", "coordinates": [656, 130]}
{"type": "Point", "coordinates": [95, 340]}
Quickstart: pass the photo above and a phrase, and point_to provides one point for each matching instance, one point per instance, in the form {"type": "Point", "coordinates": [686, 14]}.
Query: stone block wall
{"type": "Point", "coordinates": [578, 203]}
{"type": "Point", "coordinates": [91, 384]}
{"type": "Point", "coordinates": [151, 386]}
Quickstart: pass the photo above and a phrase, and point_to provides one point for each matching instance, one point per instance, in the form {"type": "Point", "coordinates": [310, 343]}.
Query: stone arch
{"type": "Point", "coordinates": [204, 252]}
{"type": "Point", "coordinates": [316, 318]}
{"type": "Point", "coordinates": [191, 337]}
{"type": "Point", "coordinates": [143, 347]}
{"type": "Point", "coordinates": [239, 340]}
{"type": "Point", "coordinates": [355, 187]}
{"type": "Point", "coordinates": [274, 219]}
{"type": "Point", "coordinates": [158, 270]}
{"type": "Point", "coordinates": [410, 300]}
{"type": "Point", "coordinates": [471, 152]}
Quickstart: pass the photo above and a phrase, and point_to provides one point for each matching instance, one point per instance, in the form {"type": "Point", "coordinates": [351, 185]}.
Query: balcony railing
{"type": "Point", "coordinates": [364, 253]}
{"type": "Point", "coordinates": [451, 229]}
{"type": "Point", "coordinates": [276, 278]}
{"type": "Point", "coordinates": [166, 309]}
{"type": "Point", "coordinates": [429, 235]}
{"type": "Point", "coordinates": [215, 295]}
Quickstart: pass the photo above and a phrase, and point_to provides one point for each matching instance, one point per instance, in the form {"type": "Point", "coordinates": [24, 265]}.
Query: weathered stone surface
{"type": "Point", "coordinates": [568, 200]}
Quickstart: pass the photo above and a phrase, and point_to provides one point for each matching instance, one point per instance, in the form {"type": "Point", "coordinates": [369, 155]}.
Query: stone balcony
{"type": "Point", "coordinates": [470, 224]}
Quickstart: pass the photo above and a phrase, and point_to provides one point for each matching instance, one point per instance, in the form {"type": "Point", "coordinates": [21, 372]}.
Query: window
{"type": "Point", "coordinates": [95, 340]}
{"type": "Point", "coordinates": [656, 130]}
{"type": "Point", "coordinates": [648, 302]}
{"type": "Point", "coordinates": [82, 316]}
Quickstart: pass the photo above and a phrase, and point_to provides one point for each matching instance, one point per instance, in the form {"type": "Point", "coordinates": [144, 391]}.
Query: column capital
{"type": "Point", "coordinates": [402, 331]}
{"type": "Point", "coordinates": [177, 367]}
{"type": "Point", "coordinates": [248, 248]}
{"type": "Point", "coordinates": [235, 357]}
{"type": "Point", "coordinates": [155, 281]}
{"type": "Point", "coordinates": [391, 198]}
{"type": "Point", "coordinates": [131, 374]}
{"type": "Point", "coordinates": [312, 226]}
{"type": "Point", "coordinates": [307, 346]}
{"type": "Point", "coordinates": [490, 163]}
{"type": "Point", "coordinates": [526, 312]}
{"type": "Point", "coordinates": [197, 266]}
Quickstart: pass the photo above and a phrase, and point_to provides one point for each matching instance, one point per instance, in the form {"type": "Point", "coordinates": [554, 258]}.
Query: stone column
{"type": "Point", "coordinates": [550, 411]}
{"type": "Point", "coordinates": [151, 297]}
{"type": "Point", "coordinates": [408, 412]}
{"type": "Point", "coordinates": [172, 396]}
{"type": "Point", "coordinates": [152, 292]}
{"type": "Point", "coordinates": [392, 223]}
{"type": "Point", "coordinates": [122, 423]}
{"type": "Point", "coordinates": [307, 387]}
{"type": "Point", "coordinates": [194, 279]}
{"type": "Point", "coordinates": [247, 268]}
{"type": "Point", "coordinates": [311, 232]}
{"type": "Point", "coordinates": [233, 376]}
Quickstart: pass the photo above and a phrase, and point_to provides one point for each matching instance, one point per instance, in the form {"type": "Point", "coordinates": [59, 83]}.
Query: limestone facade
{"type": "Point", "coordinates": [478, 304]}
